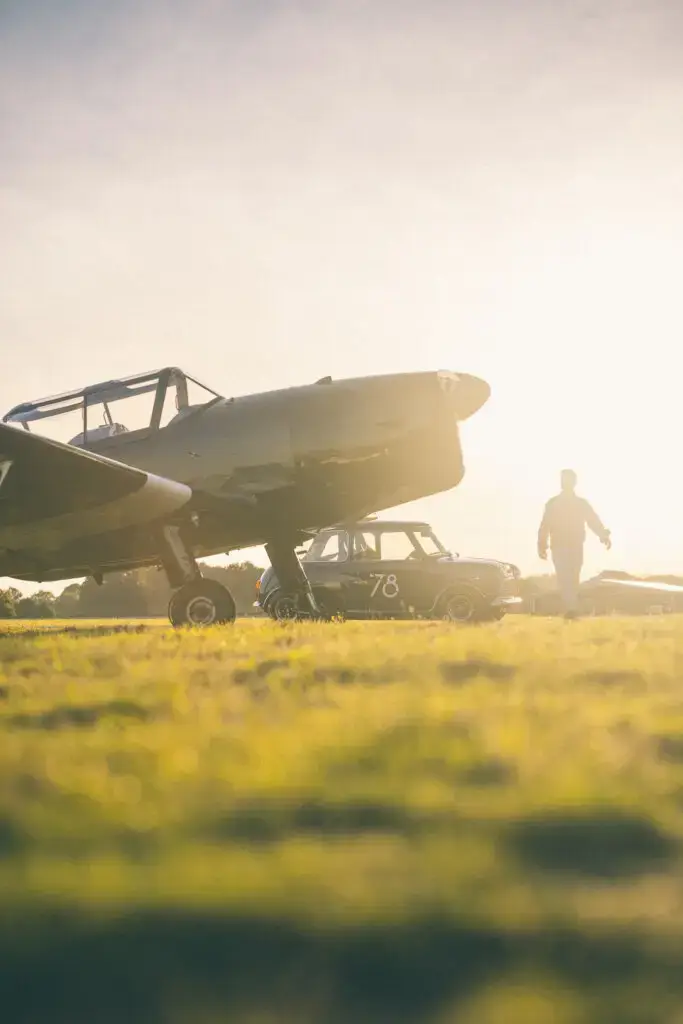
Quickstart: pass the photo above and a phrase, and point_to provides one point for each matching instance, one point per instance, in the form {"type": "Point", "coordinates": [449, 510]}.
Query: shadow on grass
{"type": "Point", "coordinates": [149, 968]}
{"type": "Point", "coordinates": [463, 671]}
{"type": "Point", "coordinates": [47, 631]}
{"type": "Point", "coordinates": [669, 748]}
{"type": "Point", "coordinates": [605, 843]}
{"type": "Point", "coordinates": [619, 677]}
{"type": "Point", "coordinates": [69, 716]}
{"type": "Point", "coordinates": [273, 822]}
{"type": "Point", "coordinates": [12, 838]}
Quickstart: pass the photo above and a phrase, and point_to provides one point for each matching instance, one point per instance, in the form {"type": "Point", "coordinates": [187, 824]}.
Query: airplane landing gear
{"type": "Point", "coordinates": [197, 601]}
{"type": "Point", "coordinates": [293, 582]}
{"type": "Point", "coordinates": [201, 603]}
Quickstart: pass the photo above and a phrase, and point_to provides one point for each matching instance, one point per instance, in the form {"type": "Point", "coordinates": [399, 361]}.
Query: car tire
{"type": "Point", "coordinates": [283, 607]}
{"type": "Point", "coordinates": [462, 606]}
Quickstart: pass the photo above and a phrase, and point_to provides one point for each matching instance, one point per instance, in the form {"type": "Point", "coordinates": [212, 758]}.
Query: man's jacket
{"type": "Point", "coordinates": [564, 523]}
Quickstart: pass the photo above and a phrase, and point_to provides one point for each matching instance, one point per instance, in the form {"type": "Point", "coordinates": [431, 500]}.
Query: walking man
{"type": "Point", "coordinates": [564, 523]}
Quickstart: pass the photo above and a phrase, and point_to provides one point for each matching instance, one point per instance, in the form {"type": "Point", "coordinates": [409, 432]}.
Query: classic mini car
{"type": "Point", "coordinates": [381, 569]}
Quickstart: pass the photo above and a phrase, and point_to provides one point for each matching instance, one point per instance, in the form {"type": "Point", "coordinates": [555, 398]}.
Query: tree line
{"type": "Point", "coordinates": [135, 594]}
{"type": "Point", "coordinates": [145, 592]}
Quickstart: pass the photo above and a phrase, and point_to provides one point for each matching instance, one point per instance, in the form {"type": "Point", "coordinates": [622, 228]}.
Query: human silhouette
{"type": "Point", "coordinates": [564, 523]}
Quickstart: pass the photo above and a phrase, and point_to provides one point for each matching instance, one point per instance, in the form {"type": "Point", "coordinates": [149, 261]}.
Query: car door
{"type": "Point", "coordinates": [399, 586]}
{"type": "Point", "coordinates": [381, 586]}
{"type": "Point", "coordinates": [362, 571]}
{"type": "Point", "coordinates": [324, 561]}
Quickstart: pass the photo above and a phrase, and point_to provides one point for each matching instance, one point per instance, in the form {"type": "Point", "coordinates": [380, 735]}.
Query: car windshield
{"type": "Point", "coordinates": [430, 543]}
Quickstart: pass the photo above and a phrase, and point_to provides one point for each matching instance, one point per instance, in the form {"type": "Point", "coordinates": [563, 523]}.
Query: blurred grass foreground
{"type": "Point", "coordinates": [342, 823]}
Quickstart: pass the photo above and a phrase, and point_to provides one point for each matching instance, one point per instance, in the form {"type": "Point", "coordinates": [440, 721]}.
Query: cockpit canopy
{"type": "Point", "coordinates": [132, 406]}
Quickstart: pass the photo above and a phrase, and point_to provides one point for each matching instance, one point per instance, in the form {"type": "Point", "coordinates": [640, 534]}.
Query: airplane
{"type": "Point", "coordinates": [199, 474]}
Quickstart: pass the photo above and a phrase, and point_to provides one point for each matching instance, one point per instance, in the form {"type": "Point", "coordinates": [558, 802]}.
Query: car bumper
{"type": "Point", "coordinates": [505, 601]}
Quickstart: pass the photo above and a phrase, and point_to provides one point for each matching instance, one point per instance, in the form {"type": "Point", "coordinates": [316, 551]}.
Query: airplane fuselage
{"type": "Point", "coordinates": [282, 463]}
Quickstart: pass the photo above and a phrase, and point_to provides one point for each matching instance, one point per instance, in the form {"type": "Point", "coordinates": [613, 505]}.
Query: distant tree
{"type": "Point", "coordinates": [139, 592]}
{"type": "Point", "coordinates": [8, 608]}
{"type": "Point", "coordinates": [240, 579]}
{"type": "Point", "coordinates": [120, 596]}
{"type": "Point", "coordinates": [155, 588]}
{"type": "Point", "coordinates": [39, 606]}
{"type": "Point", "coordinates": [530, 586]}
{"type": "Point", "coordinates": [67, 603]}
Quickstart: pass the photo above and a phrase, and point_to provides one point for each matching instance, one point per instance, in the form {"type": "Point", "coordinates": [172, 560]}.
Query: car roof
{"type": "Point", "coordinates": [378, 524]}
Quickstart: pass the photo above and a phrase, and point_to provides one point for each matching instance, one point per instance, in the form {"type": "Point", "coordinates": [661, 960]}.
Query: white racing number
{"type": "Point", "coordinates": [389, 585]}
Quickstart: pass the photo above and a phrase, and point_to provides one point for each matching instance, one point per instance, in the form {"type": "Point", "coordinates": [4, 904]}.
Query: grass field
{"type": "Point", "coordinates": [342, 823]}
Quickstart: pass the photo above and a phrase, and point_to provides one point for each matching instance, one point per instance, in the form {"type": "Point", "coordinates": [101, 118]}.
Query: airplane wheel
{"type": "Point", "coordinates": [202, 603]}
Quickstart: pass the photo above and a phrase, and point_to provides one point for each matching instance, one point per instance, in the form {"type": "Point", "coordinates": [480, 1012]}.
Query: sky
{"type": "Point", "coordinates": [267, 192]}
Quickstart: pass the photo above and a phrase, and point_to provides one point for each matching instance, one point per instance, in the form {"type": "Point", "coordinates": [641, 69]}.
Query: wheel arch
{"type": "Point", "coordinates": [454, 588]}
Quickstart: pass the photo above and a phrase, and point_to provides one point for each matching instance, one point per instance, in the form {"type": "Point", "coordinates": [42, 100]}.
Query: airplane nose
{"type": "Point", "coordinates": [468, 393]}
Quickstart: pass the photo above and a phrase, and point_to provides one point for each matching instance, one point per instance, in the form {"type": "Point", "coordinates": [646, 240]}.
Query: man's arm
{"type": "Point", "coordinates": [594, 523]}
{"type": "Point", "coordinates": [544, 532]}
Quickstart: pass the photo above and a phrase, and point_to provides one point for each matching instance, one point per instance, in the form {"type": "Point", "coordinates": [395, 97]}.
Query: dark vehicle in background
{"type": "Point", "coordinates": [616, 593]}
{"type": "Point", "coordinates": [382, 569]}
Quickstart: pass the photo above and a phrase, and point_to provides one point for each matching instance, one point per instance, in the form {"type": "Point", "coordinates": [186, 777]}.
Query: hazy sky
{"type": "Point", "coordinates": [266, 192]}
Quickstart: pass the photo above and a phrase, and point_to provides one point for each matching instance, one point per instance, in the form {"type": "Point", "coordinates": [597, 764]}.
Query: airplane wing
{"type": "Point", "coordinates": [650, 585]}
{"type": "Point", "coordinates": [51, 493]}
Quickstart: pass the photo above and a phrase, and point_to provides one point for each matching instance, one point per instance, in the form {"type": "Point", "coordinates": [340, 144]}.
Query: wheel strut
{"type": "Point", "coordinates": [292, 578]}
{"type": "Point", "coordinates": [196, 601]}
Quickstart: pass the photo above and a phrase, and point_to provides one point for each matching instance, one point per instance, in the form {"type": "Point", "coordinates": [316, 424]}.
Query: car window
{"type": "Point", "coordinates": [397, 546]}
{"type": "Point", "coordinates": [328, 547]}
{"type": "Point", "coordinates": [428, 542]}
{"type": "Point", "coordinates": [365, 546]}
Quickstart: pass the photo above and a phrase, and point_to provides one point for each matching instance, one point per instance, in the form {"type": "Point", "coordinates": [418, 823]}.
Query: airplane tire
{"type": "Point", "coordinates": [202, 603]}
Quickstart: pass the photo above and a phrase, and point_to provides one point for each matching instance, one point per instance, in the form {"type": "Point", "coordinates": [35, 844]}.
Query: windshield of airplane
{"type": "Point", "coordinates": [106, 411]}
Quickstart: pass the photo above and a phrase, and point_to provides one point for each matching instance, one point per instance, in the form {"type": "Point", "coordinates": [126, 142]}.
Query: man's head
{"type": "Point", "coordinates": [568, 480]}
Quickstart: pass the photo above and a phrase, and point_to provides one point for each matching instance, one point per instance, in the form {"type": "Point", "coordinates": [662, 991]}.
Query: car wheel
{"type": "Point", "coordinates": [461, 606]}
{"type": "Point", "coordinates": [284, 608]}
